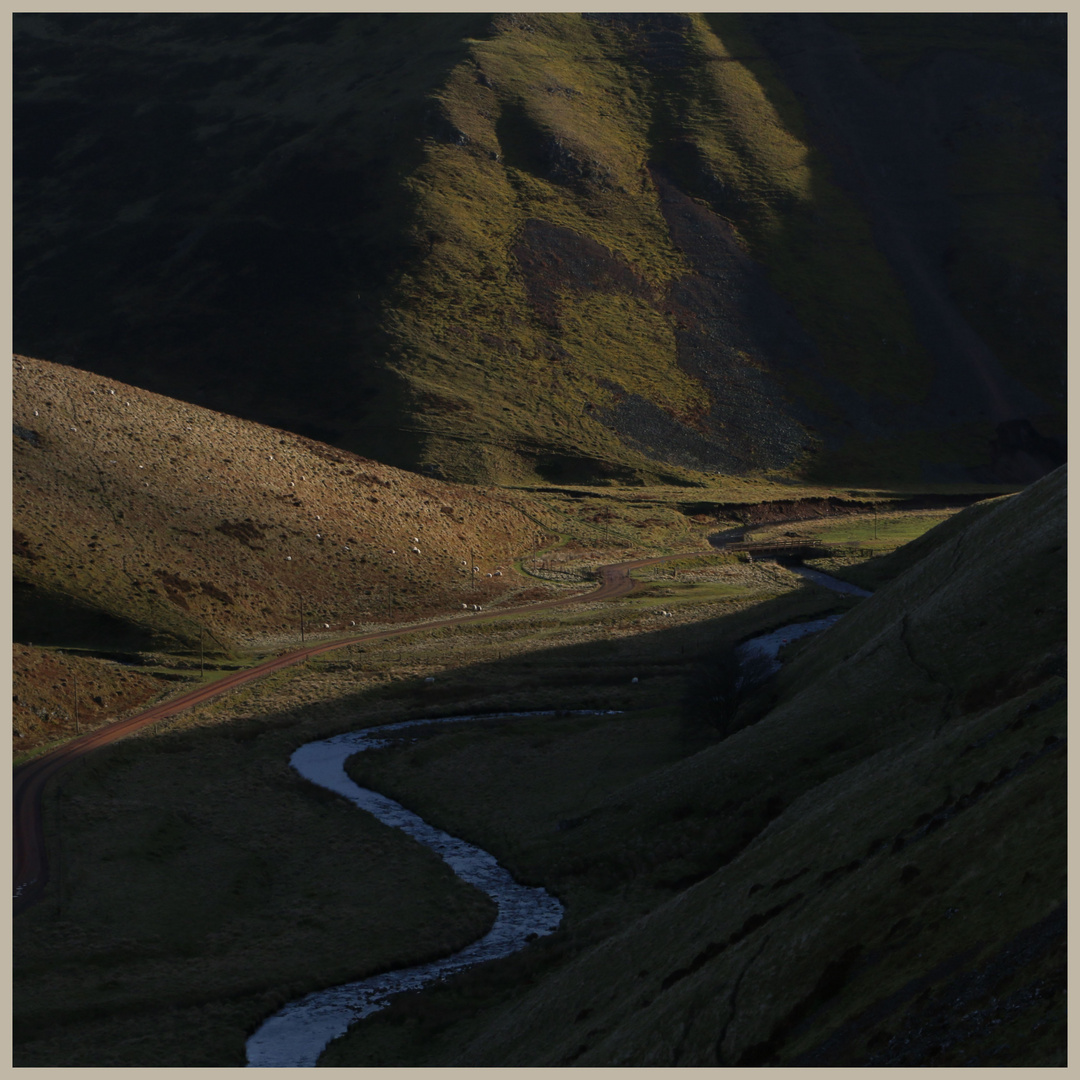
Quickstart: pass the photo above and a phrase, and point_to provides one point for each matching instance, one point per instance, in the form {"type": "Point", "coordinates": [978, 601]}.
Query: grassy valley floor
{"type": "Point", "coordinates": [179, 915]}
{"type": "Point", "coordinates": [870, 873]}
{"type": "Point", "coordinates": [198, 884]}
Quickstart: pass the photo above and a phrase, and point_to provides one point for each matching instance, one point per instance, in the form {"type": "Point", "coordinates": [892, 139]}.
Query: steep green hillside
{"type": "Point", "coordinates": [879, 859]}
{"type": "Point", "coordinates": [563, 247]}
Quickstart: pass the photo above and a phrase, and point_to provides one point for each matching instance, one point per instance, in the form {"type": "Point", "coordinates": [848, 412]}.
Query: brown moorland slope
{"type": "Point", "coordinates": [57, 696]}
{"type": "Point", "coordinates": [140, 520]}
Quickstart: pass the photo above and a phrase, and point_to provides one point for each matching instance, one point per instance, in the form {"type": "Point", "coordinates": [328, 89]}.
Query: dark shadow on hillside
{"type": "Point", "coordinates": [53, 620]}
{"type": "Point", "coordinates": [937, 191]}
{"type": "Point", "coordinates": [247, 248]}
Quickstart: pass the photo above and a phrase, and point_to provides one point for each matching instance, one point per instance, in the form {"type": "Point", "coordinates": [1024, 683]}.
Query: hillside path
{"type": "Point", "coordinates": [31, 872]}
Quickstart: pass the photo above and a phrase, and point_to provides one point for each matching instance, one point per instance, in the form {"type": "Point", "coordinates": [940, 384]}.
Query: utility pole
{"type": "Point", "coordinates": [59, 857]}
{"type": "Point", "coordinates": [301, 618]}
{"type": "Point", "coordinates": [201, 670]}
{"type": "Point", "coordinates": [75, 677]}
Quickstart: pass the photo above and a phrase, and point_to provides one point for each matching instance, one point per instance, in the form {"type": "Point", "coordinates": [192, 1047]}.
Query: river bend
{"type": "Point", "coordinates": [299, 1033]}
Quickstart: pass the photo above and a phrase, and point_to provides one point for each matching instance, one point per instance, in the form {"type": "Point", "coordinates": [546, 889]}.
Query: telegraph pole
{"type": "Point", "coordinates": [59, 857]}
{"type": "Point", "coordinates": [75, 677]}
{"type": "Point", "coordinates": [301, 618]}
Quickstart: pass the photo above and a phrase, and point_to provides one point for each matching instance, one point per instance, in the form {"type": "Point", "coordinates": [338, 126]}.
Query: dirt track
{"type": "Point", "coordinates": [31, 865]}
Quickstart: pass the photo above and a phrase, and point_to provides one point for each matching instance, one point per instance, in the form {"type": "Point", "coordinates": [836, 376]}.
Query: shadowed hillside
{"type": "Point", "coordinates": [563, 247]}
{"type": "Point", "coordinates": [887, 846]}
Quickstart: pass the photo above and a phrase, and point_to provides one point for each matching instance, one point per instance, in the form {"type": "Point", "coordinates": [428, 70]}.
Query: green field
{"type": "Point", "coordinates": [869, 532]}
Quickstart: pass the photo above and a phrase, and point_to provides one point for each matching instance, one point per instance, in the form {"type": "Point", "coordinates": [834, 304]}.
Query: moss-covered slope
{"type": "Point", "coordinates": [565, 247]}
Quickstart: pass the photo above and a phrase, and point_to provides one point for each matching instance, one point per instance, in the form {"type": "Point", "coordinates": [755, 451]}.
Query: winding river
{"type": "Point", "coordinates": [769, 645]}
{"type": "Point", "coordinates": [297, 1034]}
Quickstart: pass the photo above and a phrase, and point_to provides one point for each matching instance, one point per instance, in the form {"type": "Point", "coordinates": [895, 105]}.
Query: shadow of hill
{"type": "Point", "coordinates": [873, 872]}
{"type": "Point", "coordinates": [886, 847]}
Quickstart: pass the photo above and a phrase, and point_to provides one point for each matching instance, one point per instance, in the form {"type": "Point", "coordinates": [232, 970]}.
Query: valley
{"type": "Point", "coordinates": [644, 436]}
{"type": "Point", "coordinates": [194, 805]}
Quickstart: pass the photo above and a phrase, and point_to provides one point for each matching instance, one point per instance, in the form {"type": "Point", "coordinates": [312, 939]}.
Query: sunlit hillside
{"type": "Point", "coordinates": [563, 247]}
{"type": "Point", "coordinates": [178, 521]}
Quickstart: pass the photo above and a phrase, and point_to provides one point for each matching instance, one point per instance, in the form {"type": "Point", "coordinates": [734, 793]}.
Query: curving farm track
{"type": "Point", "coordinates": [31, 872]}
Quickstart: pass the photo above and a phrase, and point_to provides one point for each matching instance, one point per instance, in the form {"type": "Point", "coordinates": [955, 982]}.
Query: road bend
{"type": "Point", "coordinates": [31, 871]}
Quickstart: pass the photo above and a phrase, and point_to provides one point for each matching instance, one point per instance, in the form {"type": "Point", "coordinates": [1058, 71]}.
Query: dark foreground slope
{"type": "Point", "coordinates": [570, 247]}
{"type": "Point", "coordinates": [888, 841]}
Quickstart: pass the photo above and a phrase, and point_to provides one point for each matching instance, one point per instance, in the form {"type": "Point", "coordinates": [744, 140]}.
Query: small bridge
{"type": "Point", "coordinates": [783, 551]}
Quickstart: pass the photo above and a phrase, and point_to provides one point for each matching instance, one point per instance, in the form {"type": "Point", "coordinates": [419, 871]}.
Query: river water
{"type": "Point", "coordinates": [829, 581]}
{"type": "Point", "coordinates": [769, 645]}
{"type": "Point", "coordinates": [298, 1034]}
